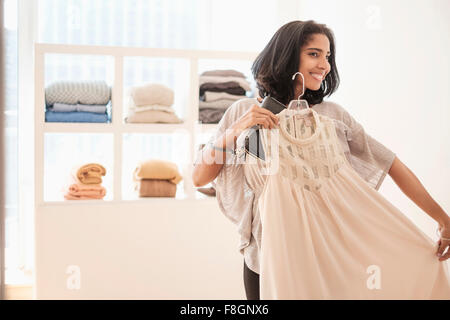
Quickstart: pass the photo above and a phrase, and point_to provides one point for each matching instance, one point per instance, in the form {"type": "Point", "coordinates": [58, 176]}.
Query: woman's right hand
{"type": "Point", "coordinates": [255, 115]}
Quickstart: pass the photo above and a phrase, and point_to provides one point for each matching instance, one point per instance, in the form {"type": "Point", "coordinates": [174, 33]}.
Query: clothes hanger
{"type": "Point", "coordinates": [300, 106]}
{"type": "Point", "coordinates": [297, 104]}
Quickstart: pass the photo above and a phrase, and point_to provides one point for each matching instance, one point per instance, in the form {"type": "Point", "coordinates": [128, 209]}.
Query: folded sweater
{"type": "Point", "coordinates": [72, 197]}
{"type": "Point", "coordinates": [218, 104]}
{"type": "Point", "coordinates": [230, 87]}
{"type": "Point", "coordinates": [90, 173]}
{"type": "Point", "coordinates": [211, 115]}
{"type": "Point", "coordinates": [152, 93]}
{"type": "Point", "coordinates": [157, 169]}
{"type": "Point", "coordinates": [156, 188]}
{"type": "Point", "coordinates": [74, 92]}
{"type": "Point", "coordinates": [224, 73]}
{"type": "Point", "coordinates": [79, 191]}
{"type": "Point", "coordinates": [133, 107]}
{"type": "Point", "coordinates": [152, 116]}
{"type": "Point", "coordinates": [214, 96]}
{"type": "Point", "coordinates": [76, 116]}
{"type": "Point", "coordinates": [218, 79]}
{"type": "Point", "coordinates": [64, 107]}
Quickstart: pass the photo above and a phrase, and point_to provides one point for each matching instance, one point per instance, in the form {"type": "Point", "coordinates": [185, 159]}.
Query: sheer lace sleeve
{"type": "Point", "coordinates": [369, 157]}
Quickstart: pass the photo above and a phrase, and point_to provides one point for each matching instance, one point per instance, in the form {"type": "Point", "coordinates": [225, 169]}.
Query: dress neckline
{"type": "Point", "coordinates": [283, 120]}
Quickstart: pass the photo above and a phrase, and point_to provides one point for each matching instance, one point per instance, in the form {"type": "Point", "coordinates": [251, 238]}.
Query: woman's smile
{"type": "Point", "coordinates": [317, 76]}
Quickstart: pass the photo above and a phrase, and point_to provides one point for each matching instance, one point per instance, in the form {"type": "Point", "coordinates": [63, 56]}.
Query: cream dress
{"type": "Point", "coordinates": [326, 233]}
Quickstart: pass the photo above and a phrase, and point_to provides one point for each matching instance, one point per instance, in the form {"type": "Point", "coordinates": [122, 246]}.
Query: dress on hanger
{"type": "Point", "coordinates": [326, 233]}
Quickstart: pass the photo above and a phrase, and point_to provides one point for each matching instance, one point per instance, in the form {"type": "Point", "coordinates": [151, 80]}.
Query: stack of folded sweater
{"type": "Point", "coordinates": [78, 101]}
{"type": "Point", "coordinates": [151, 103]}
{"type": "Point", "coordinates": [85, 182]}
{"type": "Point", "coordinates": [156, 178]}
{"type": "Point", "coordinates": [218, 90]}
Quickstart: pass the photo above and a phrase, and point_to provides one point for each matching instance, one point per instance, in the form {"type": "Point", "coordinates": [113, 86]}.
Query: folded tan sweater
{"type": "Point", "coordinates": [151, 116]}
{"type": "Point", "coordinates": [156, 188]}
{"type": "Point", "coordinates": [90, 173]}
{"type": "Point", "coordinates": [157, 169]}
{"type": "Point", "coordinates": [152, 93]}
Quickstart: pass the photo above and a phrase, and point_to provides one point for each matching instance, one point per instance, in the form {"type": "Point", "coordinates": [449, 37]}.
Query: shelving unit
{"type": "Point", "coordinates": [146, 248]}
{"type": "Point", "coordinates": [117, 127]}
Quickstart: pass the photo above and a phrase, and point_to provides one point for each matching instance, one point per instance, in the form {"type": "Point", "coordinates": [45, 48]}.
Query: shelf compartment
{"type": "Point", "coordinates": [137, 147]}
{"type": "Point", "coordinates": [170, 72]}
{"type": "Point", "coordinates": [60, 157]}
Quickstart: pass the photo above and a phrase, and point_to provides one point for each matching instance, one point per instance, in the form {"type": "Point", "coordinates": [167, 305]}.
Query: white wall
{"type": "Point", "coordinates": [393, 59]}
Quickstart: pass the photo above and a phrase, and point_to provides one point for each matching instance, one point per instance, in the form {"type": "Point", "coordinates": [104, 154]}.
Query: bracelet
{"type": "Point", "coordinates": [221, 149]}
{"type": "Point", "coordinates": [439, 235]}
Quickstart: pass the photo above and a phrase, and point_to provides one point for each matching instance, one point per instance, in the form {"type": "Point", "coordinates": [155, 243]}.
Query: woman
{"type": "Point", "coordinates": [308, 48]}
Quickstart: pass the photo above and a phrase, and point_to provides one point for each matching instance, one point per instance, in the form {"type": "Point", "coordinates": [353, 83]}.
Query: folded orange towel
{"type": "Point", "coordinates": [157, 169]}
{"type": "Point", "coordinates": [79, 191]}
{"type": "Point", "coordinates": [87, 190]}
{"type": "Point", "coordinates": [90, 173]}
{"type": "Point", "coordinates": [72, 197]}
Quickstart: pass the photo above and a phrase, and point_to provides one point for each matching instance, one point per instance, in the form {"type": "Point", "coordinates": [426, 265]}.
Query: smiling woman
{"type": "Point", "coordinates": [263, 205]}
{"type": "Point", "coordinates": [275, 65]}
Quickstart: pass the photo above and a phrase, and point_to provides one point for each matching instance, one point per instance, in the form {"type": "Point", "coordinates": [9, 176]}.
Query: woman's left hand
{"type": "Point", "coordinates": [443, 244]}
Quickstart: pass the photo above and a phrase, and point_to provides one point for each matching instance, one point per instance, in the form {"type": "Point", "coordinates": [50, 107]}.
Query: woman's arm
{"type": "Point", "coordinates": [212, 159]}
{"type": "Point", "coordinates": [413, 189]}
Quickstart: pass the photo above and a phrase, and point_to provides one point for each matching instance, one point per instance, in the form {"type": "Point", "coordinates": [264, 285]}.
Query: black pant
{"type": "Point", "coordinates": [251, 283]}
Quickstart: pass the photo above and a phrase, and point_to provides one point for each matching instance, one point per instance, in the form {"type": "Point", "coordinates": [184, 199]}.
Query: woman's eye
{"type": "Point", "coordinates": [328, 57]}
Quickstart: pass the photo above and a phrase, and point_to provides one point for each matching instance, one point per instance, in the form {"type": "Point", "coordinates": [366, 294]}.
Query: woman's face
{"type": "Point", "coordinates": [314, 63]}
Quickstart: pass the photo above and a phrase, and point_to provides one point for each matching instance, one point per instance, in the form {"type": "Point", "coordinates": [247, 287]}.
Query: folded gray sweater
{"type": "Point", "coordinates": [75, 92]}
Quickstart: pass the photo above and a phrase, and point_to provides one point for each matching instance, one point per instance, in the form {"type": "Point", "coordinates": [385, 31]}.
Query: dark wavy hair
{"type": "Point", "coordinates": [276, 64]}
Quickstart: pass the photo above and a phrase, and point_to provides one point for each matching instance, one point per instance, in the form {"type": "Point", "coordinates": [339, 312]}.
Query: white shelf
{"type": "Point", "coordinates": [152, 127]}
{"type": "Point", "coordinates": [71, 127]}
{"type": "Point", "coordinates": [153, 200]}
{"type": "Point", "coordinates": [77, 127]}
{"type": "Point", "coordinates": [113, 128]}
